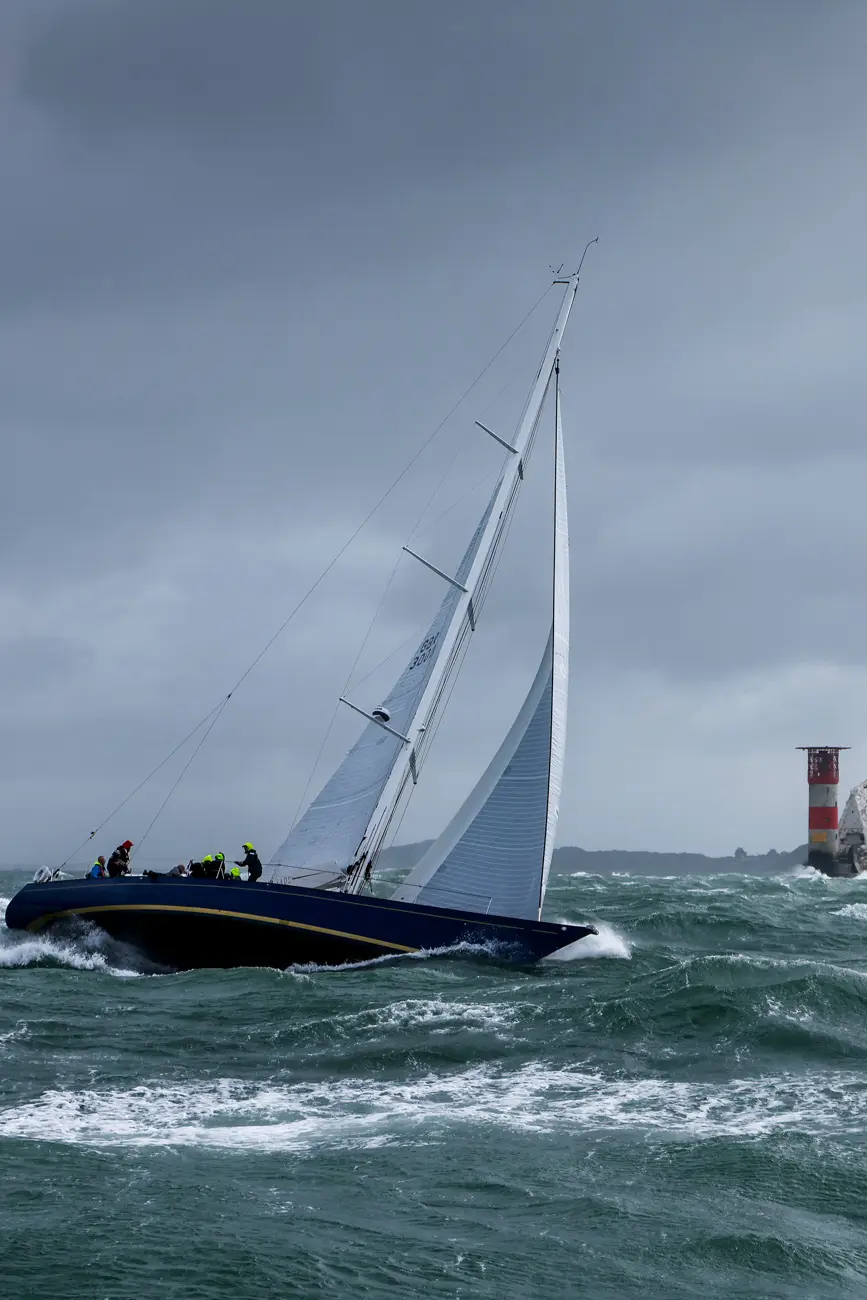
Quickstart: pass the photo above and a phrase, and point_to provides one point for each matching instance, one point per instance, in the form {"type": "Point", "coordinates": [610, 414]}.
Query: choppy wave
{"type": "Point", "coordinates": [683, 1115]}
{"type": "Point", "coordinates": [84, 947]}
{"type": "Point", "coordinates": [435, 1016]}
{"type": "Point", "coordinates": [534, 1099]}
{"type": "Point", "coordinates": [607, 942]}
{"type": "Point", "coordinates": [858, 910]}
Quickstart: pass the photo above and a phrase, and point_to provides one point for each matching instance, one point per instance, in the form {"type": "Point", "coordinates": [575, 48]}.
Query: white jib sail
{"type": "Point", "coordinates": [495, 854]}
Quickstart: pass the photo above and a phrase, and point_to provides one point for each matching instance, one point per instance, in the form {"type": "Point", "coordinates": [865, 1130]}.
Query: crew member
{"type": "Point", "coordinates": [220, 859]}
{"type": "Point", "coordinates": [118, 863]}
{"type": "Point", "coordinates": [251, 862]}
{"type": "Point", "coordinates": [209, 865]}
{"type": "Point", "coordinates": [98, 869]}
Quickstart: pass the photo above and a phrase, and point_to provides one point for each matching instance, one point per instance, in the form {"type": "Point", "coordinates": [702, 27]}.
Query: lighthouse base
{"type": "Point", "coordinates": [851, 863]}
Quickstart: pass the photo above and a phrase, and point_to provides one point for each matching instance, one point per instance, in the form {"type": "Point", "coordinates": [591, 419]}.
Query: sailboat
{"type": "Point", "coordinates": [481, 883]}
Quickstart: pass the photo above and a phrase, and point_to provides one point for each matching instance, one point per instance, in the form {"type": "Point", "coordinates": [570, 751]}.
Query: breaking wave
{"type": "Point", "coordinates": [80, 947]}
{"type": "Point", "coordinates": [607, 942]}
{"type": "Point", "coordinates": [230, 1113]}
{"type": "Point", "coordinates": [681, 1114]}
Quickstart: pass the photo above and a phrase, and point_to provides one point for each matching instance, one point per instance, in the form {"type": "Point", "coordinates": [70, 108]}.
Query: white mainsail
{"type": "Point", "coordinates": [495, 854]}
{"type": "Point", "coordinates": [350, 818]}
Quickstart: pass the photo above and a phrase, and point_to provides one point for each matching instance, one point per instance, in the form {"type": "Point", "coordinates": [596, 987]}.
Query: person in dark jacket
{"type": "Point", "coordinates": [179, 870]}
{"type": "Point", "coordinates": [251, 862]}
{"type": "Point", "coordinates": [118, 863]}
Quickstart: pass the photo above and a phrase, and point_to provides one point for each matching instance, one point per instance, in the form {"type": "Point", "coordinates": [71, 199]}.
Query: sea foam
{"type": "Point", "coordinates": [606, 943]}
{"type": "Point", "coordinates": [84, 952]}
{"type": "Point", "coordinates": [536, 1098]}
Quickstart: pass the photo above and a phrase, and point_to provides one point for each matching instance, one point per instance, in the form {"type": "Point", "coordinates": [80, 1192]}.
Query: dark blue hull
{"type": "Point", "coordinates": [190, 924]}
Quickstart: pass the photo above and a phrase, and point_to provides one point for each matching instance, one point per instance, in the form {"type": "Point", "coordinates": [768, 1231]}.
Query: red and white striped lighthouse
{"type": "Point", "coordinates": [823, 777]}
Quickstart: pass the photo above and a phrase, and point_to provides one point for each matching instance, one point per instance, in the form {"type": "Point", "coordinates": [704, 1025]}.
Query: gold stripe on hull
{"type": "Point", "coordinates": [217, 911]}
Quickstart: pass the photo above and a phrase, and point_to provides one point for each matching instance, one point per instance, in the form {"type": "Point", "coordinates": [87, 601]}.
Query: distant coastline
{"type": "Point", "coordinates": [569, 859]}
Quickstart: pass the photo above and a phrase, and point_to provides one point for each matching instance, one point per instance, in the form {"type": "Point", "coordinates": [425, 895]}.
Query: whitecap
{"type": "Point", "coordinates": [422, 954]}
{"type": "Point", "coordinates": [608, 942]}
{"type": "Point", "coordinates": [801, 872]}
{"type": "Point", "coordinates": [351, 1113]}
{"type": "Point", "coordinates": [853, 909]}
{"type": "Point", "coordinates": [18, 1034]}
{"type": "Point", "coordinates": [19, 948]}
{"type": "Point", "coordinates": [435, 1015]}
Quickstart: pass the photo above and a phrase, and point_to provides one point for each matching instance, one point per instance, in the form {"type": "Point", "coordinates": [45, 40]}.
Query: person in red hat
{"type": "Point", "coordinates": [118, 863]}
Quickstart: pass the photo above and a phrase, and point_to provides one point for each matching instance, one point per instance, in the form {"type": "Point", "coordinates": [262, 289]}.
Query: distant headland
{"type": "Point", "coordinates": [569, 859]}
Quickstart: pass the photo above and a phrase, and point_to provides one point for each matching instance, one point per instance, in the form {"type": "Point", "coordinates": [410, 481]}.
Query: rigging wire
{"type": "Point", "coordinates": [183, 770]}
{"type": "Point", "coordinates": [336, 708]}
{"type": "Point", "coordinates": [448, 469]}
{"type": "Point", "coordinates": [417, 632]}
{"type": "Point", "coordinates": [460, 500]}
{"type": "Point", "coordinates": [387, 493]}
{"type": "Point", "coordinates": [413, 533]}
{"type": "Point", "coordinates": [218, 708]}
{"type": "Point", "coordinates": [393, 573]}
{"type": "Point", "coordinates": [459, 650]}
{"type": "Point", "coordinates": [413, 636]}
{"type": "Point", "coordinates": [401, 805]}
{"type": "Point", "coordinates": [418, 531]}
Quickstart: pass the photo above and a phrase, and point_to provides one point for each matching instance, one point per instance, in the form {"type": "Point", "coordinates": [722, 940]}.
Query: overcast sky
{"type": "Point", "coordinates": [252, 253]}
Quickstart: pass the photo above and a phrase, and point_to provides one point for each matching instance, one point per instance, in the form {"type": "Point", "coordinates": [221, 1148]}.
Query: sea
{"type": "Point", "coordinates": [675, 1108]}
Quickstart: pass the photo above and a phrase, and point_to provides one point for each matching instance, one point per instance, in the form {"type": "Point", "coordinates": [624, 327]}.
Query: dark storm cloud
{"type": "Point", "coordinates": [395, 82]}
{"type": "Point", "coordinates": [208, 64]}
{"type": "Point", "coordinates": [253, 251]}
{"type": "Point", "coordinates": [178, 121]}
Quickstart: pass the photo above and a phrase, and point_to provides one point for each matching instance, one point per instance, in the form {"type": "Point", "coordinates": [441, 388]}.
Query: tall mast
{"type": "Point", "coordinates": [473, 591]}
{"type": "Point", "coordinates": [495, 854]}
{"type": "Point", "coordinates": [560, 648]}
